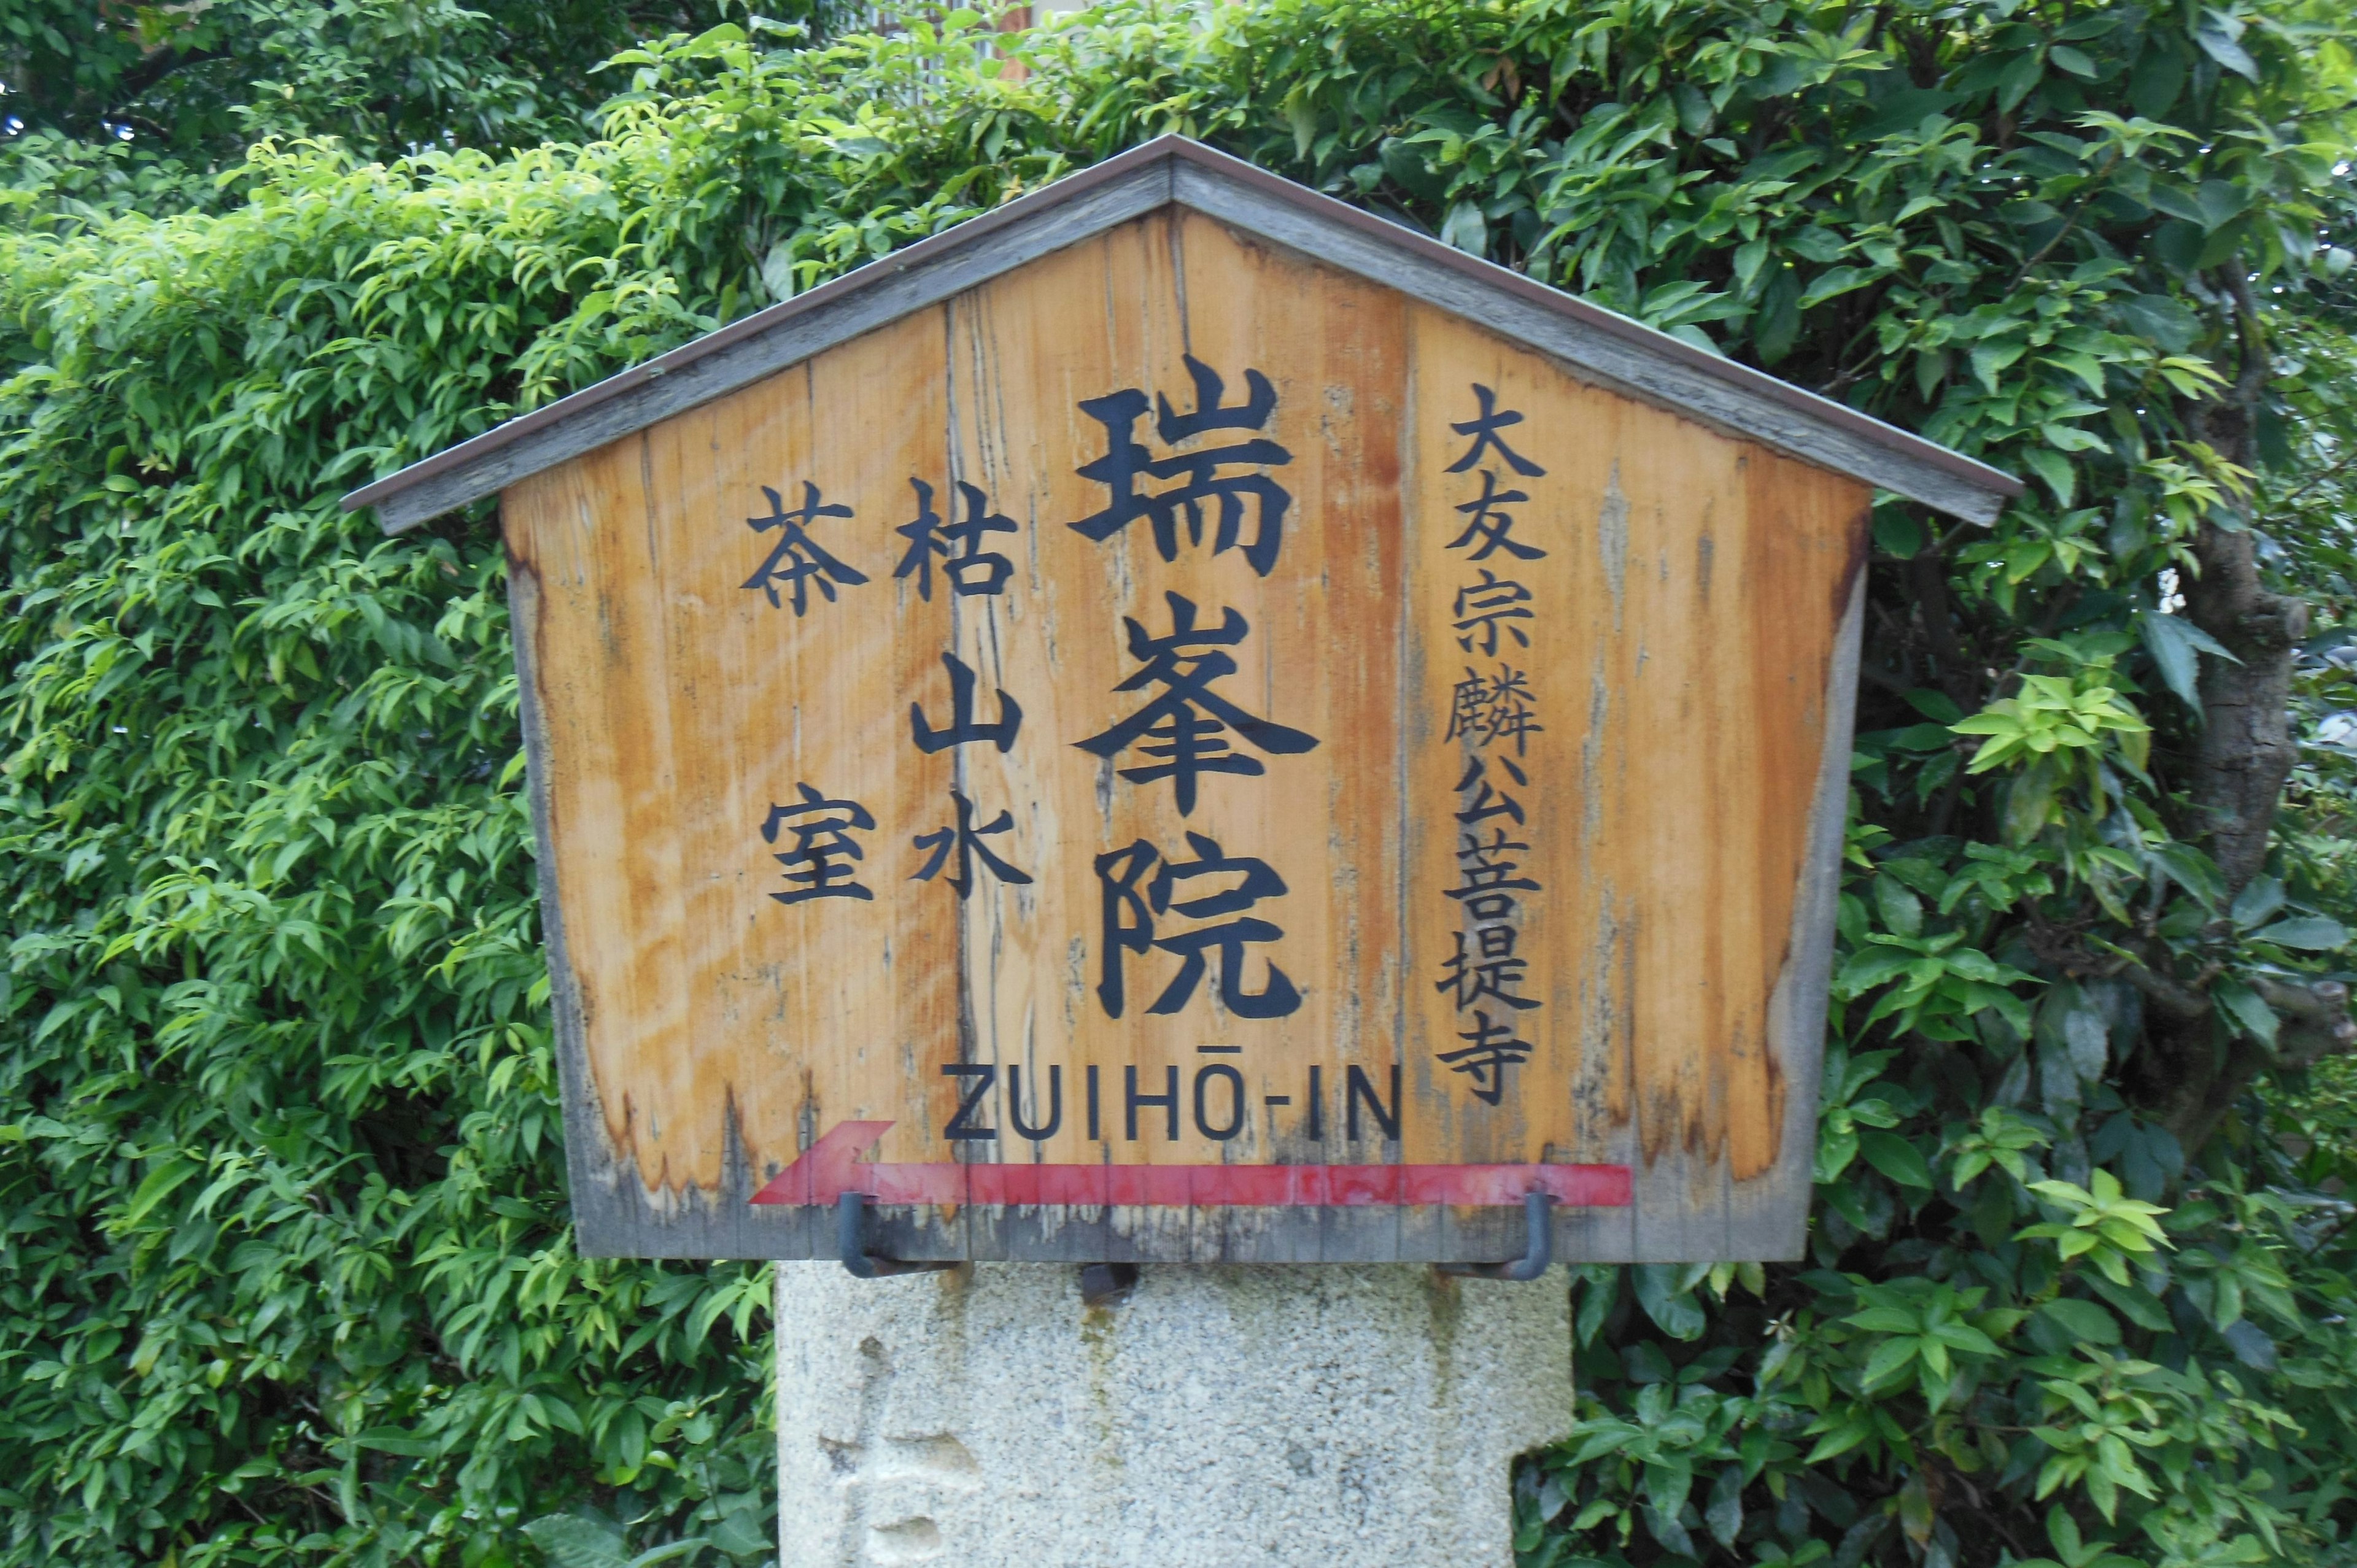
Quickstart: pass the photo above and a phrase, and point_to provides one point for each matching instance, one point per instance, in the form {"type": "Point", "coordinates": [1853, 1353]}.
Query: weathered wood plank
{"type": "Point", "coordinates": [1678, 607]}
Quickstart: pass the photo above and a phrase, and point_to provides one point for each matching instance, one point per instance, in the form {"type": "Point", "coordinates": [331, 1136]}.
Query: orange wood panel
{"type": "Point", "coordinates": [1662, 610]}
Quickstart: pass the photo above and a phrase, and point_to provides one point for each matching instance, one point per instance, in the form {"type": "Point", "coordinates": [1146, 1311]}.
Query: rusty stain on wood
{"type": "Point", "coordinates": [1683, 641]}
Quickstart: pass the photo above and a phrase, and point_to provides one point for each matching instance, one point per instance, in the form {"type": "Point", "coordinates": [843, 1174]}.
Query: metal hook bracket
{"type": "Point", "coordinates": [1538, 1246]}
{"type": "Point", "coordinates": [851, 1241]}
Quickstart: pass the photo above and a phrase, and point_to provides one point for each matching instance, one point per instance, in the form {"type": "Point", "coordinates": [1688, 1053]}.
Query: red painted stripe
{"type": "Point", "coordinates": [830, 1168]}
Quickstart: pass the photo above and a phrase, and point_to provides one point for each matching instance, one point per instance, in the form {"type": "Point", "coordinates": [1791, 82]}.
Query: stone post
{"type": "Point", "coordinates": [1329, 1416]}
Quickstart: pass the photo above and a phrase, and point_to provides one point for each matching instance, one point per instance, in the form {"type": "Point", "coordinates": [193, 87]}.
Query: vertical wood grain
{"type": "Point", "coordinates": [1683, 641]}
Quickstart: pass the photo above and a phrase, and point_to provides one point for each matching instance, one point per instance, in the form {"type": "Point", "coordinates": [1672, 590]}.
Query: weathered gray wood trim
{"type": "Point", "coordinates": [1600, 346]}
{"type": "Point", "coordinates": [1608, 358]}
{"type": "Point", "coordinates": [1798, 1007]}
{"type": "Point", "coordinates": [887, 292]}
{"type": "Point", "coordinates": [698, 1227]}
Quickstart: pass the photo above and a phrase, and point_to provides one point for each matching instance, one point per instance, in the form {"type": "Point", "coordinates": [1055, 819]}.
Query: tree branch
{"type": "Point", "coordinates": [2244, 752]}
{"type": "Point", "coordinates": [1927, 583]}
{"type": "Point", "coordinates": [2313, 1019]}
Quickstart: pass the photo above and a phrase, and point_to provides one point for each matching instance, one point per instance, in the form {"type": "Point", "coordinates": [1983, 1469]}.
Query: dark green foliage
{"type": "Point", "coordinates": [172, 94]}
{"type": "Point", "coordinates": [286, 1273]}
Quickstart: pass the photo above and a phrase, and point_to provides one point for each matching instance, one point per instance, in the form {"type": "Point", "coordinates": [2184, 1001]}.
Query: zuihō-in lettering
{"type": "Point", "coordinates": [1134, 921]}
{"type": "Point", "coordinates": [1203, 482]}
{"type": "Point", "coordinates": [797, 560]}
{"type": "Point", "coordinates": [822, 857]}
{"type": "Point", "coordinates": [1183, 729]}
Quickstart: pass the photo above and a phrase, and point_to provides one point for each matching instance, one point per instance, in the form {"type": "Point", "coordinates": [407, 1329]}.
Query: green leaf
{"type": "Point", "coordinates": [1885, 1320]}
{"type": "Point", "coordinates": [2313, 933]}
{"type": "Point", "coordinates": [393, 1440]}
{"type": "Point", "coordinates": [2075, 61]}
{"type": "Point", "coordinates": [1871, 967]}
{"type": "Point", "coordinates": [573, 1542]}
{"type": "Point", "coordinates": [1895, 1157]}
{"type": "Point", "coordinates": [1695, 113]}
{"type": "Point", "coordinates": [1901, 910]}
{"type": "Point", "coordinates": [2167, 322]}
{"type": "Point", "coordinates": [2220, 202]}
{"type": "Point", "coordinates": [159, 1184]}
{"type": "Point", "coordinates": [2221, 46]}
{"type": "Point", "coordinates": [2243, 1005]}
{"type": "Point", "coordinates": [745, 1532]}
{"type": "Point", "coordinates": [2175, 644]}
{"type": "Point", "coordinates": [1937, 706]}
{"type": "Point", "coordinates": [1748, 259]}
{"type": "Point", "coordinates": [2193, 871]}
{"type": "Point", "coordinates": [2138, 1306]}
{"type": "Point", "coordinates": [2082, 1321]}
{"type": "Point", "coordinates": [1835, 282]}
{"type": "Point", "coordinates": [1989, 359]}
{"type": "Point", "coordinates": [1898, 533]}
{"type": "Point", "coordinates": [1890, 1361]}
{"type": "Point", "coordinates": [2260, 898]}
{"type": "Point", "coordinates": [1673, 1311]}
{"type": "Point", "coordinates": [2016, 82]}
{"type": "Point", "coordinates": [2055, 469]}
{"type": "Point", "coordinates": [1723, 1516]}
{"type": "Point", "coordinates": [1904, 111]}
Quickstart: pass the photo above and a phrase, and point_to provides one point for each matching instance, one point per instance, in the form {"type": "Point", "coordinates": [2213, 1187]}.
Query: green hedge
{"type": "Point", "coordinates": [286, 1274]}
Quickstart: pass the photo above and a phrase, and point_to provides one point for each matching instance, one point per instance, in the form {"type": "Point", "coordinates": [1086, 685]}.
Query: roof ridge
{"type": "Point", "coordinates": [1600, 344]}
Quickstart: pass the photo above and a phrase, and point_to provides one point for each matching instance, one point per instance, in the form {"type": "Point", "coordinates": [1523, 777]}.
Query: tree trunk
{"type": "Point", "coordinates": [2244, 756]}
{"type": "Point", "coordinates": [2246, 751]}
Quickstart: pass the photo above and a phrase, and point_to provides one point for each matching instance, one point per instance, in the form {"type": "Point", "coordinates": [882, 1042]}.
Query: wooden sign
{"type": "Point", "coordinates": [1185, 722]}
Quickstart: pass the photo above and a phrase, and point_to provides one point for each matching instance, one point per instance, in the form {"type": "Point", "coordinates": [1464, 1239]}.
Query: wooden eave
{"type": "Point", "coordinates": [1596, 344]}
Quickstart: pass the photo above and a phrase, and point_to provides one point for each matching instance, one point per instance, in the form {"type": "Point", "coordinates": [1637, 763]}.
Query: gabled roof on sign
{"type": "Point", "coordinates": [1596, 343]}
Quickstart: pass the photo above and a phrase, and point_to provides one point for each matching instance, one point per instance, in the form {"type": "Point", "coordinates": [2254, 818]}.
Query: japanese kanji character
{"type": "Point", "coordinates": [963, 729]}
{"type": "Point", "coordinates": [1486, 708]}
{"type": "Point", "coordinates": [797, 559]}
{"type": "Point", "coordinates": [1488, 800]}
{"type": "Point", "coordinates": [1130, 920]}
{"type": "Point", "coordinates": [1487, 880]}
{"type": "Point", "coordinates": [1484, 427]}
{"type": "Point", "coordinates": [1485, 522]}
{"type": "Point", "coordinates": [974, 570]}
{"type": "Point", "coordinates": [1186, 721]}
{"type": "Point", "coordinates": [1126, 462]}
{"type": "Point", "coordinates": [970, 568]}
{"type": "Point", "coordinates": [1492, 1050]}
{"type": "Point", "coordinates": [964, 841]}
{"type": "Point", "coordinates": [1471, 973]}
{"type": "Point", "coordinates": [821, 853]}
{"type": "Point", "coordinates": [1488, 606]}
